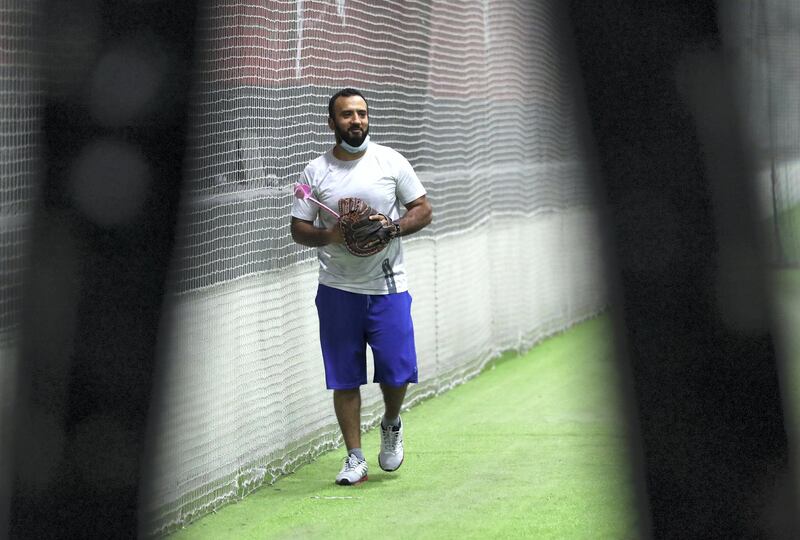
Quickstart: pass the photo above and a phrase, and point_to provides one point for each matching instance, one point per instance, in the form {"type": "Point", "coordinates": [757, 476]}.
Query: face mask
{"type": "Point", "coordinates": [355, 149]}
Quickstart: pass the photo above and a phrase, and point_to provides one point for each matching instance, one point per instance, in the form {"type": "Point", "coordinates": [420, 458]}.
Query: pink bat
{"type": "Point", "coordinates": [303, 191]}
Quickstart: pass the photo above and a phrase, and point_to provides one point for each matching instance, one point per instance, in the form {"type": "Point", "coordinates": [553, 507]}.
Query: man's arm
{"type": "Point", "coordinates": [418, 215]}
{"type": "Point", "coordinates": [305, 233]}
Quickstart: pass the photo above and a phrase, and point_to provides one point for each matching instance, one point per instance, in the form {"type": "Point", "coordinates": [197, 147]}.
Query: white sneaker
{"type": "Point", "coordinates": [391, 456]}
{"type": "Point", "coordinates": [354, 471]}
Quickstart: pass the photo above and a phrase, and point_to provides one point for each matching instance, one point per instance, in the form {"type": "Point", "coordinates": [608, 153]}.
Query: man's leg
{"type": "Point", "coordinates": [391, 336]}
{"type": "Point", "coordinates": [391, 455]}
{"type": "Point", "coordinates": [347, 404]}
{"type": "Point", "coordinates": [393, 397]}
{"type": "Point", "coordinates": [341, 331]}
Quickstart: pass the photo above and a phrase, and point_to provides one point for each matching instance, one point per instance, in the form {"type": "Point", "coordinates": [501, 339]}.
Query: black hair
{"type": "Point", "coordinates": [344, 92]}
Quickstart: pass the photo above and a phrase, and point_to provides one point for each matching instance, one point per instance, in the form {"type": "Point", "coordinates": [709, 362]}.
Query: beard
{"type": "Point", "coordinates": [349, 138]}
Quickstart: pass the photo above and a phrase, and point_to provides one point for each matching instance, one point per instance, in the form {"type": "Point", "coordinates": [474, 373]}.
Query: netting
{"type": "Point", "coordinates": [763, 35]}
{"type": "Point", "coordinates": [479, 97]}
{"type": "Point", "coordinates": [476, 94]}
{"type": "Point", "coordinates": [20, 129]}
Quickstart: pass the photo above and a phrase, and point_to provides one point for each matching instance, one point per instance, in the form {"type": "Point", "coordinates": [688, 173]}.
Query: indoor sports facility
{"type": "Point", "coordinates": [455, 87]}
{"type": "Point", "coordinates": [521, 425]}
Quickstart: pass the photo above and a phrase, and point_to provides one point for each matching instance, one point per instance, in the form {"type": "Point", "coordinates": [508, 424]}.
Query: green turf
{"type": "Point", "coordinates": [531, 448]}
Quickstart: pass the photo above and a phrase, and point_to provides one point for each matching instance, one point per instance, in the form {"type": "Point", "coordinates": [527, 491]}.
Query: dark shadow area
{"type": "Point", "coordinates": [693, 315]}
{"type": "Point", "coordinates": [117, 79]}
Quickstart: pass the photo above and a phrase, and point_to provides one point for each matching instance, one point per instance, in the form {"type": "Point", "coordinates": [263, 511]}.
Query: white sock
{"type": "Point", "coordinates": [357, 452]}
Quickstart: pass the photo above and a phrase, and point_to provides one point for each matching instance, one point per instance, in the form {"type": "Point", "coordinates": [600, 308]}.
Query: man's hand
{"type": "Point", "coordinates": [305, 233]}
{"type": "Point", "coordinates": [389, 229]}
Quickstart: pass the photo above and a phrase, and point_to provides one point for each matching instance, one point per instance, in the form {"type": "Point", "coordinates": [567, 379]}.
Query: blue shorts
{"type": "Point", "coordinates": [348, 322]}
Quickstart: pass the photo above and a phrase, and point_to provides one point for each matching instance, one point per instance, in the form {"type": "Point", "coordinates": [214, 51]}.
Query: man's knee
{"type": "Point", "coordinates": [346, 393]}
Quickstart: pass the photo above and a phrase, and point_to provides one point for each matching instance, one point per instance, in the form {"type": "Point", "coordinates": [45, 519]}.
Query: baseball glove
{"type": "Point", "coordinates": [362, 236]}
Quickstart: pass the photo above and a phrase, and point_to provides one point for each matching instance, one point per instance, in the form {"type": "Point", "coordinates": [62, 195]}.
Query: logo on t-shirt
{"type": "Point", "coordinates": [388, 275]}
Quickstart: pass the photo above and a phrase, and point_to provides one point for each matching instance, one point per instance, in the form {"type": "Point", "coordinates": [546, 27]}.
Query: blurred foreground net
{"type": "Point", "coordinates": [21, 108]}
{"type": "Point", "coordinates": [764, 37]}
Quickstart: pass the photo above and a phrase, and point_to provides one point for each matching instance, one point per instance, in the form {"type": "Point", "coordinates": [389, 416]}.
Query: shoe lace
{"type": "Point", "coordinates": [351, 462]}
{"type": "Point", "coordinates": [391, 437]}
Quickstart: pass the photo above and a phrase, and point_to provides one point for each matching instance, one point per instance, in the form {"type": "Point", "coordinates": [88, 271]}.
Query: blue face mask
{"type": "Point", "coordinates": [350, 149]}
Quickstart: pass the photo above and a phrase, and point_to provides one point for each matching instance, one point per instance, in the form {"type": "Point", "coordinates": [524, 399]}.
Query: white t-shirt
{"type": "Point", "coordinates": [385, 180]}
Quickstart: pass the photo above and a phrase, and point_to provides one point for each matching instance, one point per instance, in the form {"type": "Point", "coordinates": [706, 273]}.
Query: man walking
{"type": "Point", "coordinates": [363, 300]}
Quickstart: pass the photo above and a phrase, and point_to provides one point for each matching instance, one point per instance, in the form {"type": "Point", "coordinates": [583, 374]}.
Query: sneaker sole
{"type": "Point", "coordinates": [346, 482]}
{"type": "Point", "coordinates": [389, 470]}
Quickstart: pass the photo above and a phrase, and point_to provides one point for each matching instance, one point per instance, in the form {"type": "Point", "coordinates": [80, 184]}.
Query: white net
{"type": "Point", "coordinates": [478, 96]}
{"type": "Point", "coordinates": [20, 155]}
{"type": "Point", "coordinates": [763, 36]}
